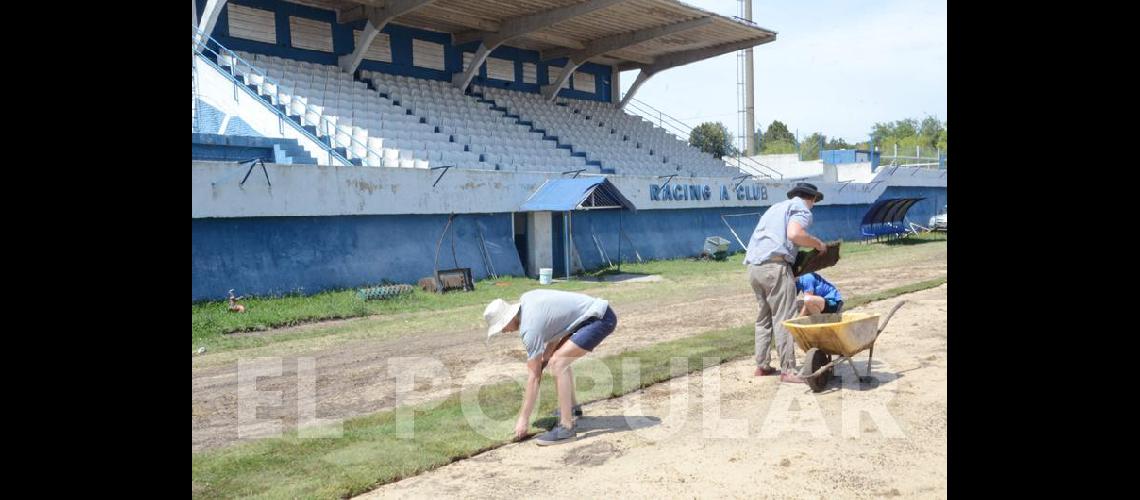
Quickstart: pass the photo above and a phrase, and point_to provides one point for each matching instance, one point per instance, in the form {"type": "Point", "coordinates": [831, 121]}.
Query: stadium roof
{"type": "Point", "coordinates": [631, 34]}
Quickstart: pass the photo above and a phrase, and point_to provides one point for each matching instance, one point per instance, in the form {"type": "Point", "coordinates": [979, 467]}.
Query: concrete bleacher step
{"type": "Point", "coordinates": [280, 156]}
{"type": "Point", "coordinates": [220, 147]}
{"type": "Point", "coordinates": [299, 155]}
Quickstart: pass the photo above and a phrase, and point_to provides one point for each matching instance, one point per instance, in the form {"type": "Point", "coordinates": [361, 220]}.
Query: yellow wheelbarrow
{"type": "Point", "coordinates": [839, 334]}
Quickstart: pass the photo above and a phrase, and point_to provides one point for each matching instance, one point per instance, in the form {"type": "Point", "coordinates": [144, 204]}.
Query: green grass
{"type": "Point", "coordinates": [893, 292]}
{"type": "Point", "coordinates": [858, 247]}
{"type": "Point", "coordinates": [674, 268]}
{"type": "Point", "coordinates": [692, 266]}
{"type": "Point", "coordinates": [211, 321]}
{"type": "Point", "coordinates": [369, 453]}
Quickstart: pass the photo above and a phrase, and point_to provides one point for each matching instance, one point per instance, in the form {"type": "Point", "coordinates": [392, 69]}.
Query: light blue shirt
{"type": "Point", "coordinates": [771, 235]}
{"type": "Point", "coordinates": [548, 315]}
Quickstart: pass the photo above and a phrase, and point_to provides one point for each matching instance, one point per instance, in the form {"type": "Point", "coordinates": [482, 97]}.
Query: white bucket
{"type": "Point", "coordinates": [544, 275]}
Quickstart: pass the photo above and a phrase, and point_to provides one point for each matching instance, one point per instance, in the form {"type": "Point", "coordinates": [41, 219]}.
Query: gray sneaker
{"type": "Point", "coordinates": [577, 409]}
{"type": "Point", "coordinates": [557, 435]}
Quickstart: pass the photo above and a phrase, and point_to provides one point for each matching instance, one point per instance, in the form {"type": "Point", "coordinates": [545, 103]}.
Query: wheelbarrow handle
{"type": "Point", "coordinates": [887, 318]}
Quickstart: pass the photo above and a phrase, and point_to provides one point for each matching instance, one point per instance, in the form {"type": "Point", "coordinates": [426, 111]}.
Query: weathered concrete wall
{"type": "Point", "coordinates": [327, 227]}
{"type": "Point", "coordinates": [325, 190]}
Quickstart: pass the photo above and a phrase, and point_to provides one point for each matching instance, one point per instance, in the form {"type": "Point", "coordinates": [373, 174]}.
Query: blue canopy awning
{"type": "Point", "coordinates": [585, 193]}
{"type": "Point", "coordinates": [889, 210]}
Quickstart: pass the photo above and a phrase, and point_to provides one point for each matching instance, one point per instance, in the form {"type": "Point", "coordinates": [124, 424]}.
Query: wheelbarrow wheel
{"type": "Point", "coordinates": [814, 360]}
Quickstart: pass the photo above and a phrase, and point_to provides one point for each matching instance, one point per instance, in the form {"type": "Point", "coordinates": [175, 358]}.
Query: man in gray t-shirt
{"type": "Point", "coordinates": [556, 328]}
{"type": "Point", "coordinates": [771, 253]}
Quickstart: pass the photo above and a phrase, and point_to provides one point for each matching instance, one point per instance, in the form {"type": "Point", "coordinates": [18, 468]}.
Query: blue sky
{"type": "Point", "coordinates": [836, 67]}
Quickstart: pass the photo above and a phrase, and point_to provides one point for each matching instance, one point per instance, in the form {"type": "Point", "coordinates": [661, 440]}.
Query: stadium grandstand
{"type": "Point", "coordinates": [358, 111]}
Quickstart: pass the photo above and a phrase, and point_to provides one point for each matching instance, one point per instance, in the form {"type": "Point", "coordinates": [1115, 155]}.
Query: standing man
{"type": "Point", "coordinates": [771, 253]}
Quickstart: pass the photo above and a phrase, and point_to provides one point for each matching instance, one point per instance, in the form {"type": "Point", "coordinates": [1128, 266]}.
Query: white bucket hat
{"type": "Point", "coordinates": [497, 314]}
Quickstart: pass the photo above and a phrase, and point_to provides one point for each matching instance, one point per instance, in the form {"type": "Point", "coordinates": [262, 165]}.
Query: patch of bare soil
{"type": "Point", "coordinates": [352, 378]}
{"type": "Point", "coordinates": [724, 432]}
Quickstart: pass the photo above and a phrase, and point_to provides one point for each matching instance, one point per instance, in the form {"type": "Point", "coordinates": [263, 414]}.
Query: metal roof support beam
{"type": "Point", "coordinates": [378, 18]}
{"type": "Point", "coordinates": [680, 59]}
{"type": "Point", "coordinates": [615, 85]}
{"type": "Point", "coordinates": [600, 46]}
{"type": "Point", "coordinates": [642, 76]}
{"type": "Point", "coordinates": [514, 27]}
{"type": "Point", "coordinates": [462, 80]}
{"type": "Point", "coordinates": [210, 16]}
{"type": "Point", "coordinates": [667, 61]}
{"type": "Point", "coordinates": [550, 90]}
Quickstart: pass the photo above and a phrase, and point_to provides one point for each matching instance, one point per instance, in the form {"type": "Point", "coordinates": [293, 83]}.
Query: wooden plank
{"type": "Point", "coordinates": [629, 55]}
{"type": "Point", "coordinates": [466, 17]}
{"type": "Point", "coordinates": [427, 54]}
{"type": "Point", "coordinates": [584, 82]}
{"type": "Point", "coordinates": [467, 58]}
{"type": "Point", "coordinates": [500, 69]}
{"type": "Point", "coordinates": [555, 39]}
{"type": "Point", "coordinates": [530, 72]}
{"type": "Point", "coordinates": [251, 24]}
{"type": "Point", "coordinates": [310, 34]}
{"type": "Point", "coordinates": [552, 72]}
{"type": "Point", "coordinates": [380, 50]}
{"type": "Point", "coordinates": [455, 16]}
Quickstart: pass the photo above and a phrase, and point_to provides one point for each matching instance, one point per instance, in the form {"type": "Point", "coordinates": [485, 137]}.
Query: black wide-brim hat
{"type": "Point", "coordinates": [806, 190]}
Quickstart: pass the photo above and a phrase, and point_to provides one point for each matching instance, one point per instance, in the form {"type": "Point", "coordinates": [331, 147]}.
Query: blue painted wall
{"type": "Point", "coordinates": [274, 255]}
{"type": "Point", "coordinates": [401, 43]}
{"type": "Point", "coordinates": [237, 126]}
{"type": "Point", "coordinates": [836, 156]}
{"type": "Point", "coordinates": [209, 118]}
{"type": "Point", "coordinates": [664, 234]}
{"type": "Point", "coordinates": [217, 147]}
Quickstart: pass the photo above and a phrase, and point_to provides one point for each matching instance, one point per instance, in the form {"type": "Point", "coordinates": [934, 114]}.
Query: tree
{"type": "Point", "coordinates": [907, 146]}
{"type": "Point", "coordinates": [810, 148]}
{"type": "Point", "coordinates": [906, 128]}
{"type": "Point", "coordinates": [881, 131]}
{"type": "Point", "coordinates": [838, 143]}
{"type": "Point", "coordinates": [712, 138]}
{"type": "Point", "coordinates": [777, 131]}
{"type": "Point", "coordinates": [931, 129]}
{"type": "Point", "coordinates": [908, 134]}
{"type": "Point", "coordinates": [780, 146]}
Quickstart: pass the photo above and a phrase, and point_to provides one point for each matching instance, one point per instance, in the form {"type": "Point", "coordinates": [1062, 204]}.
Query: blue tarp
{"type": "Point", "coordinates": [562, 195]}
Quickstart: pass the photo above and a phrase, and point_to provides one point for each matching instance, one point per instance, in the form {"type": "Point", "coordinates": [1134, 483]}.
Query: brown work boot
{"type": "Point", "coordinates": [762, 371]}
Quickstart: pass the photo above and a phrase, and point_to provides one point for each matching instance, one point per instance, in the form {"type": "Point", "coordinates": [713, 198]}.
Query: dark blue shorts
{"type": "Point", "coordinates": [591, 332]}
{"type": "Point", "coordinates": [832, 305]}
